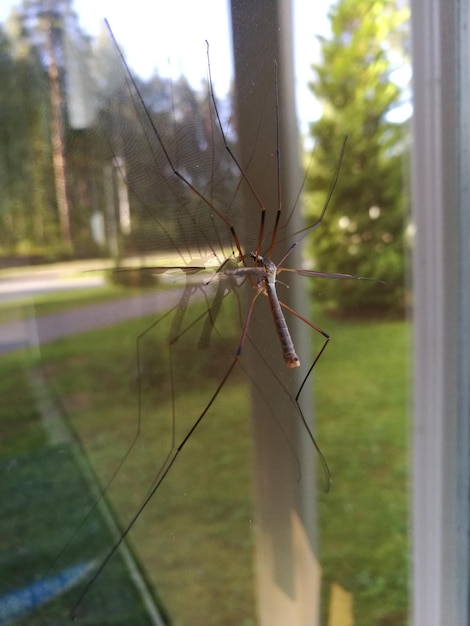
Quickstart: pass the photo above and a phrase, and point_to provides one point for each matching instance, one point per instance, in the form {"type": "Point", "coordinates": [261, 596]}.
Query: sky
{"type": "Point", "coordinates": [153, 23]}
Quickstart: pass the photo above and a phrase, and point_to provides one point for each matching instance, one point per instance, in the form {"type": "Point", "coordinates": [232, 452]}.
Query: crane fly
{"type": "Point", "coordinates": [191, 213]}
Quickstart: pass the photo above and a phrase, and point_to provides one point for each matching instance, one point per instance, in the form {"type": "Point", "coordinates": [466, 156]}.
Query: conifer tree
{"type": "Point", "coordinates": [363, 231]}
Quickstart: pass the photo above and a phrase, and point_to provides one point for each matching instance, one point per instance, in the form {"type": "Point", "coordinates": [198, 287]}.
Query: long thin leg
{"type": "Point", "coordinates": [176, 172]}
{"type": "Point", "coordinates": [311, 228]}
{"type": "Point", "coordinates": [296, 398]}
{"type": "Point", "coordinates": [175, 450]}
{"type": "Point", "coordinates": [168, 464]}
{"type": "Point", "coordinates": [123, 460]}
{"type": "Point", "coordinates": [255, 194]}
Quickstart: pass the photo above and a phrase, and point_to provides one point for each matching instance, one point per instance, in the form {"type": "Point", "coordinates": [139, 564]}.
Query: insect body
{"type": "Point", "coordinates": [192, 212]}
{"type": "Point", "coordinates": [265, 273]}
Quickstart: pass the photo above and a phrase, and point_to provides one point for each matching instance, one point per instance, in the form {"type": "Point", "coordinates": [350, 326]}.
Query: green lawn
{"type": "Point", "coordinates": [194, 539]}
{"type": "Point", "coordinates": [361, 401]}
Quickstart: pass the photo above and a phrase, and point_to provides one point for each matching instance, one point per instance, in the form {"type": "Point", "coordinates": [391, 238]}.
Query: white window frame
{"type": "Point", "coordinates": [441, 276]}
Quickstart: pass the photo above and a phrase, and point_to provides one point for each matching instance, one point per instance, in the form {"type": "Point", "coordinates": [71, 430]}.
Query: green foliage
{"type": "Point", "coordinates": [112, 157]}
{"type": "Point", "coordinates": [363, 230]}
{"type": "Point", "coordinates": [26, 189]}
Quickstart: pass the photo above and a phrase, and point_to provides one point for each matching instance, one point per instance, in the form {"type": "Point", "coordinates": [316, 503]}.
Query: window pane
{"type": "Point", "coordinates": [128, 228]}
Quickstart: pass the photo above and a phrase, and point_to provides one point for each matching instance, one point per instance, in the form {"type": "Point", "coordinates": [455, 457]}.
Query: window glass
{"type": "Point", "coordinates": [163, 461]}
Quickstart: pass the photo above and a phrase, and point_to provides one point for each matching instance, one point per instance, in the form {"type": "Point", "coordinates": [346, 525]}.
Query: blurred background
{"type": "Point", "coordinates": [90, 211]}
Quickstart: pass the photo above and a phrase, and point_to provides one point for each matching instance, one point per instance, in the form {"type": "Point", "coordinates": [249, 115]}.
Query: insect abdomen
{"type": "Point", "coordinates": [290, 356]}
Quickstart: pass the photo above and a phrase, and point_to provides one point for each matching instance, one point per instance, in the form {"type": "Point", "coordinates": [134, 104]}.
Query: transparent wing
{"type": "Point", "coordinates": [171, 195]}
{"type": "Point", "coordinates": [167, 175]}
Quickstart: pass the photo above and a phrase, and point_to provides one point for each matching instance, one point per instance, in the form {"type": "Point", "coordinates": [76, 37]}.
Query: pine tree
{"type": "Point", "coordinates": [25, 173]}
{"type": "Point", "coordinates": [363, 230]}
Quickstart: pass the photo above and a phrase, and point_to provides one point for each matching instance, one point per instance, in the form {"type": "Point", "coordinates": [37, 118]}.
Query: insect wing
{"type": "Point", "coordinates": [162, 158]}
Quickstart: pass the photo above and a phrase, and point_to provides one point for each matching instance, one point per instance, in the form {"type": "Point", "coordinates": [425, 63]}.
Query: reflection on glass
{"type": "Point", "coordinates": [106, 370]}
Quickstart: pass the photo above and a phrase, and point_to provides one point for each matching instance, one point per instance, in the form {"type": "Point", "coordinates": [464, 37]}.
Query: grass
{"type": "Point", "coordinates": [197, 549]}
{"type": "Point", "coordinates": [361, 401]}
{"type": "Point", "coordinates": [46, 498]}
{"type": "Point", "coordinates": [43, 498]}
